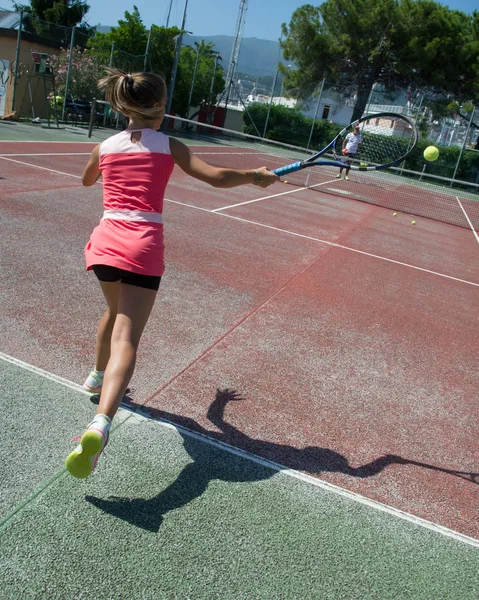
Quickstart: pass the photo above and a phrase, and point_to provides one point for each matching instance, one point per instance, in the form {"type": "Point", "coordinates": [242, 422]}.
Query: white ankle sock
{"type": "Point", "coordinates": [102, 422]}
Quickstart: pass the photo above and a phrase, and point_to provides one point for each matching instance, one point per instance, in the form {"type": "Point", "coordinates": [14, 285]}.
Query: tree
{"type": "Point", "coordinates": [51, 18]}
{"type": "Point", "coordinates": [408, 43]}
{"type": "Point", "coordinates": [85, 72]}
{"type": "Point", "coordinates": [197, 67]}
{"type": "Point", "coordinates": [124, 47]}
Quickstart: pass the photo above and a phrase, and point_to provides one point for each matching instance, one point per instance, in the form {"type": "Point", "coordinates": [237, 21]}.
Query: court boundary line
{"type": "Point", "coordinates": [6, 155]}
{"type": "Point", "coordinates": [210, 211]}
{"type": "Point", "coordinates": [310, 187]}
{"type": "Point", "coordinates": [334, 244]}
{"type": "Point", "coordinates": [468, 220]}
{"type": "Point", "coordinates": [330, 487]}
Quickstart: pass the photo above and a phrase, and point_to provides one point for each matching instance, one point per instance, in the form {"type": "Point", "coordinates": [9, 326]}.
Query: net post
{"type": "Point", "coordinates": [92, 117]}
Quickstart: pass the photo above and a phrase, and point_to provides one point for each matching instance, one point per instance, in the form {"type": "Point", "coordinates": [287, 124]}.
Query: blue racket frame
{"type": "Point", "coordinates": [313, 162]}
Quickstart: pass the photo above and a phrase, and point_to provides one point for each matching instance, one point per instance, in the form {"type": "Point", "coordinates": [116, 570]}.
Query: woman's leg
{"type": "Point", "coordinates": [111, 291]}
{"type": "Point", "coordinates": [134, 308]}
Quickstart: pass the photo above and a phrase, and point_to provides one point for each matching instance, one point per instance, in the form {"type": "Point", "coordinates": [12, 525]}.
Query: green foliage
{"type": "Point", "coordinates": [290, 126]}
{"type": "Point", "coordinates": [85, 71]}
{"type": "Point", "coordinates": [446, 163]}
{"type": "Point", "coordinates": [55, 18]}
{"type": "Point", "coordinates": [394, 42]}
{"type": "Point", "coordinates": [124, 47]}
{"type": "Point", "coordinates": [202, 60]}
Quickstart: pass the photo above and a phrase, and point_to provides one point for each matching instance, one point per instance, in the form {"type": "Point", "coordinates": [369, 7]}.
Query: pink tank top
{"type": "Point", "coordinates": [135, 176]}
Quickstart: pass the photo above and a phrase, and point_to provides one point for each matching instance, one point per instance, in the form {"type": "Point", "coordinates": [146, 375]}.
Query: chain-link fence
{"type": "Point", "coordinates": [50, 73]}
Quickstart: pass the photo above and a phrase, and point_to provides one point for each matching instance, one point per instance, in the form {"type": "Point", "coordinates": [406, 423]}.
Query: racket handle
{"type": "Point", "coordinates": [287, 169]}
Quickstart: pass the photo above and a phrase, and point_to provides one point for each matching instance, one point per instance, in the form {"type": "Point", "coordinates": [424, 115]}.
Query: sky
{"type": "Point", "coordinates": [218, 17]}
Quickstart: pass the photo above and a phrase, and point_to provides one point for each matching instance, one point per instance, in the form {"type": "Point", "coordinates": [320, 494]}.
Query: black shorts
{"type": "Point", "coordinates": [111, 274]}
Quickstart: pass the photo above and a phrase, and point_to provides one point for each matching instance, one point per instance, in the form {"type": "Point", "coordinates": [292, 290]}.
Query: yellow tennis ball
{"type": "Point", "coordinates": [413, 222]}
{"type": "Point", "coordinates": [285, 181]}
{"type": "Point", "coordinates": [431, 153]}
{"type": "Point", "coordinates": [395, 214]}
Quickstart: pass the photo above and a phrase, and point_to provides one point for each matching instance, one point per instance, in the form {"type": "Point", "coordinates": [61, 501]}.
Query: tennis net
{"type": "Point", "coordinates": [419, 194]}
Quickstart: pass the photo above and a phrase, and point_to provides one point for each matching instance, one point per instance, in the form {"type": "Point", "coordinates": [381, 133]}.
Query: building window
{"type": "Point", "coordinates": [326, 110]}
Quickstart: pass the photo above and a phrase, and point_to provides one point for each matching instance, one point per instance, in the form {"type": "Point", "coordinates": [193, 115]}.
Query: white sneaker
{"type": "Point", "coordinates": [82, 461]}
{"type": "Point", "coordinates": [94, 382]}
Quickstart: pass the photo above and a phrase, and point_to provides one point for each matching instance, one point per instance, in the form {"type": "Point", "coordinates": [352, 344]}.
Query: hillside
{"type": "Point", "coordinates": [257, 57]}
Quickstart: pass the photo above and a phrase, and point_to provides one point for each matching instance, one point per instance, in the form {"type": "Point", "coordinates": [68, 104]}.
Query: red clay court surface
{"type": "Point", "coordinates": [349, 336]}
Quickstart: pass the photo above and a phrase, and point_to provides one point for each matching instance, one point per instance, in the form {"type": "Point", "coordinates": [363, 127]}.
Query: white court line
{"type": "Point", "coordinates": [50, 154]}
{"type": "Point", "coordinates": [21, 162]}
{"type": "Point", "coordinates": [215, 210]}
{"type": "Point", "coordinates": [314, 239]}
{"type": "Point", "coordinates": [307, 237]}
{"type": "Point", "coordinates": [468, 220]}
{"type": "Point", "coordinates": [45, 142]}
{"type": "Point", "coordinates": [330, 487]}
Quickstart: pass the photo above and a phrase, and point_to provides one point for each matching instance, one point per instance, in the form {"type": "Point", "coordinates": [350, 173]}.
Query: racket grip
{"type": "Point", "coordinates": [287, 169]}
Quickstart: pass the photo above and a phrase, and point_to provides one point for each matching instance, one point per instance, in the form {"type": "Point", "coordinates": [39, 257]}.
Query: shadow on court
{"type": "Point", "coordinates": [207, 466]}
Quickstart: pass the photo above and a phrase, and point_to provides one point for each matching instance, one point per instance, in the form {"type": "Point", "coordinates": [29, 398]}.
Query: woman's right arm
{"type": "Point", "coordinates": [217, 176]}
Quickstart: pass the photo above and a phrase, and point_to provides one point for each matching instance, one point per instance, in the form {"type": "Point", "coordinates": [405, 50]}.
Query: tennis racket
{"type": "Point", "coordinates": [381, 140]}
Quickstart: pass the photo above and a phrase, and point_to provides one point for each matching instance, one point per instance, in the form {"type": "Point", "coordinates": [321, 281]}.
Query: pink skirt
{"type": "Point", "coordinates": [133, 246]}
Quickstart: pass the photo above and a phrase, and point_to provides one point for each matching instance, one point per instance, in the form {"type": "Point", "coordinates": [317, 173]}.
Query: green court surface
{"type": "Point", "coordinates": [169, 514]}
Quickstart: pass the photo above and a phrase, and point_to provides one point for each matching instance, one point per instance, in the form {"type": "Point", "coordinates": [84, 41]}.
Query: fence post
{"type": "Point", "coordinates": [147, 49]}
{"type": "Point", "coordinates": [17, 57]}
{"type": "Point", "coordinates": [464, 143]}
{"type": "Point", "coordinates": [316, 113]}
{"type": "Point", "coordinates": [72, 43]}
{"type": "Point", "coordinates": [110, 64]}
{"type": "Point", "coordinates": [92, 117]}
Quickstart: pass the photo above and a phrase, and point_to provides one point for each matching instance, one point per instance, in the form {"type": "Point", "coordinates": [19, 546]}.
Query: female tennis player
{"type": "Point", "coordinates": [126, 249]}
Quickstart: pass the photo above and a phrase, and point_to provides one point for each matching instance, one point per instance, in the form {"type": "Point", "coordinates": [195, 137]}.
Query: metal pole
{"type": "Point", "coordinates": [147, 48]}
{"type": "Point", "coordinates": [92, 117]}
{"type": "Point", "coordinates": [464, 143]}
{"type": "Point", "coordinates": [169, 13]}
{"type": "Point", "coordinates": [175, 64]}
{"type": "Point", "coordinates": [193, 81]}
{"type": "Point", "coordinates": [17, 58]}
{"type": "Point", "coordinates": [316, 113]}
{"type": "Point", "coordinates": [210, 95]}
{"type": "Point", "coordinates": [72, 42]}
{"type": "Point", "coordinates": [274, 87]}
{"type": "Point", "coordinates": [270, 102]}
{"type": "Point", "coordinates": [110, 64]}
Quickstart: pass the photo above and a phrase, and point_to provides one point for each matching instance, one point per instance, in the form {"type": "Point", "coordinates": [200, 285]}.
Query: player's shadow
{"type": "Point", "coordinates": [212, 463]}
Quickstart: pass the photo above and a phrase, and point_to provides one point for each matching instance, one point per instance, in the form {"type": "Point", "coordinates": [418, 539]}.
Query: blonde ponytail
{"type": "Point", "coordinates": [135, 94]}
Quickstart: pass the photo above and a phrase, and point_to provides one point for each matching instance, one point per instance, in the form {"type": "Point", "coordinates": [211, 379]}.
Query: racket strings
{"type": "Point", "coordinates": [383, 141]}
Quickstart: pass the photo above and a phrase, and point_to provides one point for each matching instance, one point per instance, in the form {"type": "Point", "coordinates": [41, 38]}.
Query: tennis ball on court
{"type": "Point", "coordinates": [395, 214]}
{"type": "Point", "coordinates": [413, 222]}
{"type": "Point", "coordinates": [285, 181]}
{"type": "Point", "coordinates": [431, 153]}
